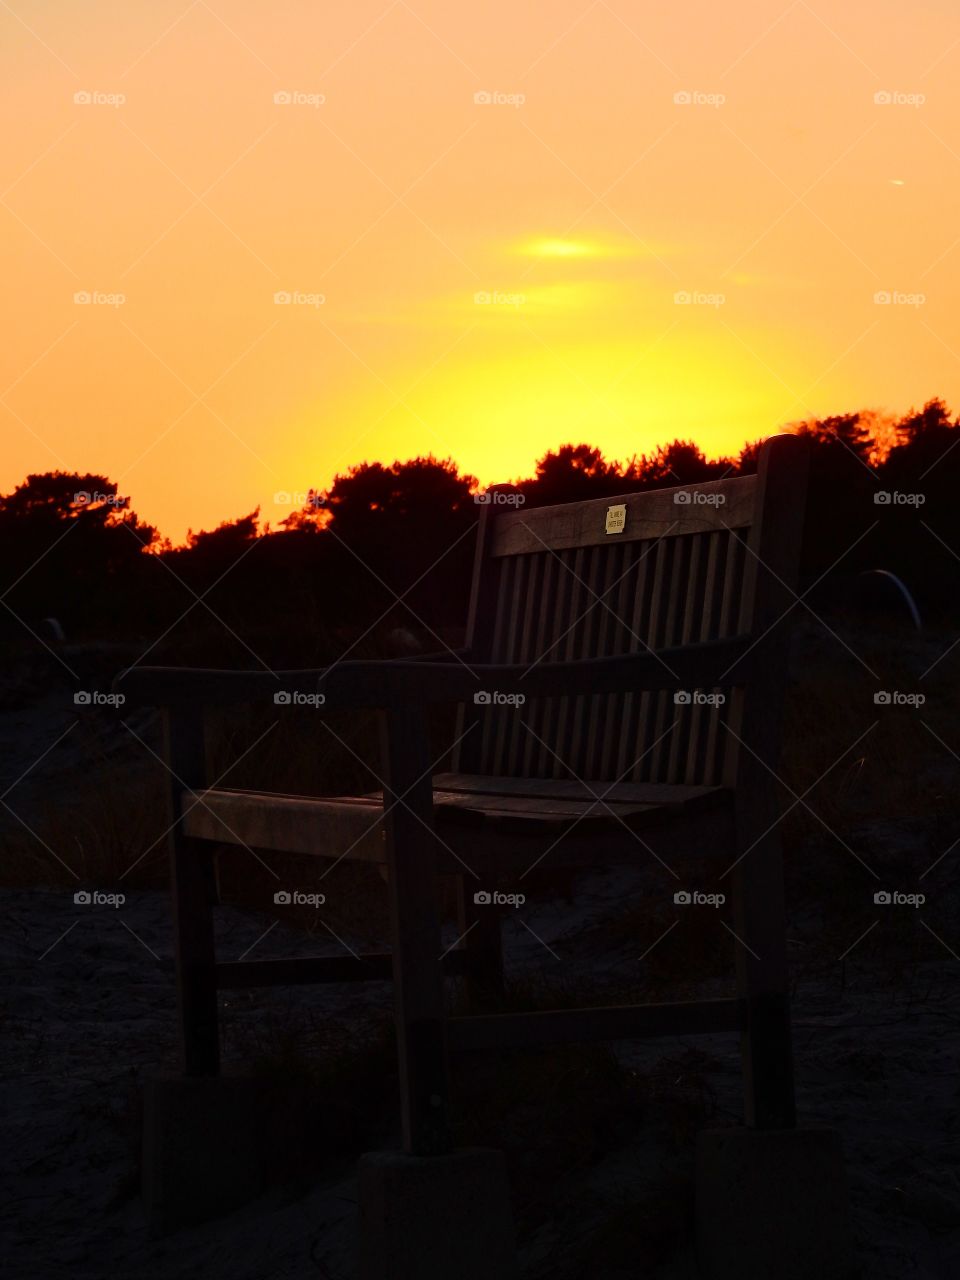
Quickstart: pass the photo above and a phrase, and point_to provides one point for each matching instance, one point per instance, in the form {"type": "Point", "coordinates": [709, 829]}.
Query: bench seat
{"type": "Point", "coordinates": [466, 807]}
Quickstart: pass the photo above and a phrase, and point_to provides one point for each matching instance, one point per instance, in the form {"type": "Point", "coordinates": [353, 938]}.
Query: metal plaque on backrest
{"type": "Point", "coordinates": [616, 518]}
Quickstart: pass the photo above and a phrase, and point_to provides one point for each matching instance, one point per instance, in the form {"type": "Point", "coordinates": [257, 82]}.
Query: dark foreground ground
{"type": "Point", "coordinates": [599, 1141]}
{"type": "Point", "coordinates": [609, 1190]}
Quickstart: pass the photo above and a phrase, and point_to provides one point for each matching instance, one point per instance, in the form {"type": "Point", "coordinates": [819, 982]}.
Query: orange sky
{"type": "Point", "coordinates": [580, 200]}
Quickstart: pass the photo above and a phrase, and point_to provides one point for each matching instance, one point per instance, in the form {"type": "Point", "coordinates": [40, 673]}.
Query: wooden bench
{"type": "Point", "coordinates": [619, 621]}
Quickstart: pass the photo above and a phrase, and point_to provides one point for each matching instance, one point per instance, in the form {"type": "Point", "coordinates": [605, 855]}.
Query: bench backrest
{"type": "Point", "coordinates": [638, 573]}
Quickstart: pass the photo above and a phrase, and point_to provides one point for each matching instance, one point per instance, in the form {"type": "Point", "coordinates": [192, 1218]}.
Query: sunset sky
{"type": "Point", "coordinates": [482, 279]}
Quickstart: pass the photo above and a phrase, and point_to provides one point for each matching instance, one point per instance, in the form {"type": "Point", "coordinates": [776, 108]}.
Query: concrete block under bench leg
{"type": "Point", "coordinates": [772, 1205]}
{"type": "Point", "coordinates": [202, 1151]}
{"type": "Point", "coordinates": [213, 1143]}
{"type": "Point", "coordinates": [442, 1217]}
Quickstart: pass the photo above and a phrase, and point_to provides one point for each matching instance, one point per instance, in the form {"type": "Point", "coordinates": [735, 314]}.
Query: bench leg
{"type": "Point", "coordinates": [193, 890]}
{"type": "Point", "coordinates": [760, 923]}
{"type": "Point", "coordinates": [479, 926]}
{"type": "Point", "coordinates": [415, 913]}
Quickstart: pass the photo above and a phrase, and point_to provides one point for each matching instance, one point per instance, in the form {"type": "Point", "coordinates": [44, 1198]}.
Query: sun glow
{"type": "Point", "coordinates": [562, 249]}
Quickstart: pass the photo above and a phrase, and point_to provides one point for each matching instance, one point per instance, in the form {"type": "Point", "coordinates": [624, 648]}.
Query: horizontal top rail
{"type": "Point", "coordinates": [656, 513]}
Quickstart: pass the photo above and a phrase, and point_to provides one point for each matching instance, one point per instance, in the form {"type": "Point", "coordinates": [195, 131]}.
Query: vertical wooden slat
{"type": "Point", "coordinates": [630, 745]}
{"type": "Point", "coordinates": [717, 745]}
{"type": "Point", "coordinates": [561, 611]}
{"type": "Point", "coordinates": [517, 736]}
{"type": "Point", "coordinates": [536, 713]}
{"type": "Point", "coordinates": [693, 599]}
{"type": "Point", "coordinates": [568, 646]}
{"type": "Point", "coordinates": [621, 641]}
{"type": "Point", "coordinates": [585, 648]}
{"type": "Point", "coordinates": [733, 624]}
{"type": "Point", "coordinates": [742, 617]}
{"type": "Point", "coordinates": [695, 770]}
{"type": "Point", "coordinates": [687, 625]}
{"type": "Point", "coordinates": [502, 613]}
{"type": "Point", "coordinates": [648, 701]}
{"type": "Point", "coordinates": [501, 621]}
{"type": "Point", "coordinates": [666, 709]}
{"type": "Point", "coordinates": [603, 644]}
{"type": "Point", "coordinates": [500, 716]}
{"type": "Point", "coordinates": [732, 585]}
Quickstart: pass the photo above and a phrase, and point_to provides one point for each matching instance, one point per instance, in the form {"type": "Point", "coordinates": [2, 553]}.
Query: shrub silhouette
{"type": "Point", "coordinates": [390, 545]}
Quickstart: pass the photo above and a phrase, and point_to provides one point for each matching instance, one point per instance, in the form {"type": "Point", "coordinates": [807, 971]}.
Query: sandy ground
{"type": "Point", "coordinates": [89, 1012]}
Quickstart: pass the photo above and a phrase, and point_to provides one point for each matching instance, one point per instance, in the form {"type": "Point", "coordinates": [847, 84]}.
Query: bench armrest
{"type": "Point", "coordinates": [388, 683]}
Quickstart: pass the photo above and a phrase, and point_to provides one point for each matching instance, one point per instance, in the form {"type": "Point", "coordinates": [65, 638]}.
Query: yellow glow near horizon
{"type": "Point", "coordinates": [563, 249]}
{"type": "Point", "coordinates": [313, 236]}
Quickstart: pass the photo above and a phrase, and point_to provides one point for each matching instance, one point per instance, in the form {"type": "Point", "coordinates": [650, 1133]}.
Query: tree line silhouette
{"type": "Point", "coordinates": [389, 546]}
